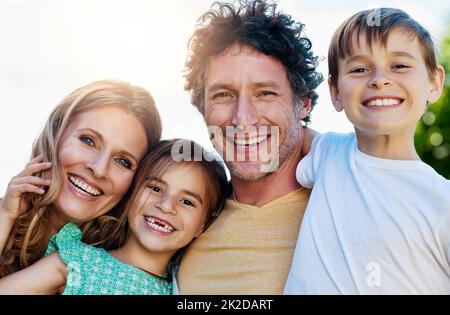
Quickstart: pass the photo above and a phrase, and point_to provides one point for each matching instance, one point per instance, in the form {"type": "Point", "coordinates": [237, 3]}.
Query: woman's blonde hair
{"type": "Point", "coordinates": [29, 236]}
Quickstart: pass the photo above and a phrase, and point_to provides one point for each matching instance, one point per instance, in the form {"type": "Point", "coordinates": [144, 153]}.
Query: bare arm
{"type": "Point", "coordinates": [47, 276]}
{"type": "Point", "coordinates": [6, 224]}
{"type": "Point", "coordinates": [13, 204]}
{"type": "Point", "coordinates": [308, 136]}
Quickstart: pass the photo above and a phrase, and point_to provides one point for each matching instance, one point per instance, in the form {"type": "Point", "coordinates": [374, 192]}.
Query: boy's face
{"type": "Point", "coordinates": [384, 90]}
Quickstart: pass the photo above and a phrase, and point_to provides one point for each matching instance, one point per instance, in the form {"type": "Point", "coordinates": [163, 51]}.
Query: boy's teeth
{"type": "Point", "coordinates": [83, 186]}
{"type": "Point", "coordinates": [250, 141]}
{"type": "Point", "coordinates": [384, 102]}
{"type": "Point", "coordinates": [166, 228]}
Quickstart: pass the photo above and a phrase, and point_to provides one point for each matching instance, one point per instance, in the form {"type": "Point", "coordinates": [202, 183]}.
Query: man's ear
{"type": "Point", "coordinates": [437, 84]}
{"type": "Point", "coordinates": [306, 107]}
{"type": "Point", "coordinates": [335, 96]}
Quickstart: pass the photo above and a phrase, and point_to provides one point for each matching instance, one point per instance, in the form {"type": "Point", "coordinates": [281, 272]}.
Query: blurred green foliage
{"type": "Point", "coordinates": [432, 139]}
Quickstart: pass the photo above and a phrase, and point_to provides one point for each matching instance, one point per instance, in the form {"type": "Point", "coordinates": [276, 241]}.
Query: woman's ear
{"type": "Point", "coordinates": [335, 96]}
{"type": "Point", "coordinates": [437, 84]}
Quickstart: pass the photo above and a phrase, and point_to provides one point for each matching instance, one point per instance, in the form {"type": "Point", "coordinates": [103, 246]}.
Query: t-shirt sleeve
{"type": "Point", "coordinates": [323, 147]}
{"type": "Point", "coordinates": [307, 167]}
{"type": "Point", "coordinates": [75, 254]}
{"type": "Point", "coordinates": [68, 243]}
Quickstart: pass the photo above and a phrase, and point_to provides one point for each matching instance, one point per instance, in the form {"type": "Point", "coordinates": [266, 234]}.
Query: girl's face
{"type": "Point", "coordinates": [171, 210]}
{"type": "Point", "coordinates": [98, 153]}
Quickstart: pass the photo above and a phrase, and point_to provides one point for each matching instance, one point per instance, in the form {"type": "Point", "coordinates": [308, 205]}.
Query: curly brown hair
{"type": "Point", "coordinates": [255, 23]}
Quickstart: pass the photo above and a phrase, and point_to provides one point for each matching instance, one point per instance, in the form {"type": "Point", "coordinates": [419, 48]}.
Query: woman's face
{"type": "Point", "coordinates": [98, 153]}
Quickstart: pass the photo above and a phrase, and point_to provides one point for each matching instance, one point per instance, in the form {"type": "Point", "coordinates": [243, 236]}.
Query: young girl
{"type": "Point", "coordinates": [168, 205]}
{"type": "Point", "coordinates": [83, 163]}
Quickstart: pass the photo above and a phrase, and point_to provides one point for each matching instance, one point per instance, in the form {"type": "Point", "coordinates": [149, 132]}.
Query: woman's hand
{"type": "Point", "coordinates": [13, 204]}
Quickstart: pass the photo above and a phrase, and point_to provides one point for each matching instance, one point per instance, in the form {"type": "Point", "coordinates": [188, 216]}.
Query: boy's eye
{"type": "Point", "coordinates": [358, 70]}
{"type": "Point", "coordinates": [87, 140]}
{"type": "Point", "coordinates": [400, 66]}
{"type": "Point", "coordinates": [124, 162]}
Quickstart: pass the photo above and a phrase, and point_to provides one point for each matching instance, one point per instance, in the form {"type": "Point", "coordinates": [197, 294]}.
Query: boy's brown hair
{"type": "Point", "coordinates": [376, 24]}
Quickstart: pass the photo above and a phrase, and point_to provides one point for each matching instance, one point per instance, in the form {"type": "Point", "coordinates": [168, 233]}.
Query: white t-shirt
{"type": "Point", "coordinates": [372, 225]}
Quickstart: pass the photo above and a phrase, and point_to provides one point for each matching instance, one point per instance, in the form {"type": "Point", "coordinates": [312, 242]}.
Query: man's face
{"type": "Point", "coordinates": [249, 93]}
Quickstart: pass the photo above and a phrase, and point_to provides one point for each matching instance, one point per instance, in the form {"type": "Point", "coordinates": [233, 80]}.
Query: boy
{"type": "Point", "coordinates": [378, 220]}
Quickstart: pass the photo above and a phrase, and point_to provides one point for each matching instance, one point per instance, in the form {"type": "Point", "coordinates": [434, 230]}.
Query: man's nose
{"type": "Point", "coordinates": [246, 113]}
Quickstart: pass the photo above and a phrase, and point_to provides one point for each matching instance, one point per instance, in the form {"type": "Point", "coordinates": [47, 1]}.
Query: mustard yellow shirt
{"type": "Point", "coordinates": [247, 250]}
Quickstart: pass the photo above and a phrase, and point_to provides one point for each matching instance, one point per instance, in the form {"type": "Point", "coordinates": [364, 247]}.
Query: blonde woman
{"type": "Point", "coordinates": [83, 163]}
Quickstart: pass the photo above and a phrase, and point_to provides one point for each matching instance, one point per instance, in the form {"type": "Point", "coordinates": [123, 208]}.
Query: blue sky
{"type": "Point", "coordinates": [51, 47]}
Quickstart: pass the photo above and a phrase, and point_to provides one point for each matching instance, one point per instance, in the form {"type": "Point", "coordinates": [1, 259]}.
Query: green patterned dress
{"type": "Point", "coordinates": [93, 271]}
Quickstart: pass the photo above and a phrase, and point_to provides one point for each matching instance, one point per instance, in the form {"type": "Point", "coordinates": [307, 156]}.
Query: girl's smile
{"type": "Point", "coordinates": [159, 226]}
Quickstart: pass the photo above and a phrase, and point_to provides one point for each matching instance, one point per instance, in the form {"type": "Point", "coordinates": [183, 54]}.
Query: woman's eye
{"type": "Point", "coordinates": [87, 140]}
{"type": "Point", "coordinates": [124, 162]}
{"type": "Point", "coordinates": [187, 202]}
{"type": "Point", "coordinates": [155, 188]}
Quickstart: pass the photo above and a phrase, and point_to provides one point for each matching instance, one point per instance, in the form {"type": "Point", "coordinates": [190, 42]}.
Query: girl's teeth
{"type": "Point", "coordinates": [85, 187]}
{"type": "Point", "coordinates": [165, 228]}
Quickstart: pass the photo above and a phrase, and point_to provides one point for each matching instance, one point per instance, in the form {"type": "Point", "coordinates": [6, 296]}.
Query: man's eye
{"type": "Point", "coordinates": [222, 96]}
{"type": "Point", "coordinates": [87, 140]}
{"type": "Point", "coordinates": [267, 93]}
{"type": "Point", "coordinates": [124, 162]}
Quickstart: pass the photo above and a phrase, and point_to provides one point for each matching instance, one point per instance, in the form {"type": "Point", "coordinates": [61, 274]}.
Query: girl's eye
{"type": "Point", "coordinates": [187, 202]}
{"type": "Point", "coordinates": [87, 140]}
{"type": "Point", "coordinates": [124, 162]}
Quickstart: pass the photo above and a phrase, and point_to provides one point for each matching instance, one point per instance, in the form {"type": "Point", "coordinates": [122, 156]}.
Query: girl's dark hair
{"type": "Point", "coordinates": [256, 24]}
{"type": "Point", "coordinates": [163, 155]}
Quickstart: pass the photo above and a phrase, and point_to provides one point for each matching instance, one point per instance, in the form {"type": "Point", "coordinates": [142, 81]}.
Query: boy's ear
{"type": "Point", "coordinates": [437, 84]}
{"type": "Point", "coordinates": [335, 97]}
{"type": "Point", "coordinates": [306, 107]}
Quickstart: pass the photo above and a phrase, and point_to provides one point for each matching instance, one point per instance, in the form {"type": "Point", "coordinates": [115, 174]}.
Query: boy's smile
{"type": "Point", "coordinates": [384, 90]}
{"type": "Point", "coordinates": [382, 102]}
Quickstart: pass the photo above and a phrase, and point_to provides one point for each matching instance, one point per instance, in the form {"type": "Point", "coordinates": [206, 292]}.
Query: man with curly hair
{"type": "Point", "coordinates": [252, 75]}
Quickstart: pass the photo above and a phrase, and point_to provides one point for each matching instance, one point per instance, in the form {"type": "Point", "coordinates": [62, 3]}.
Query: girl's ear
{"type": "Point", "coordinates": [437, 84]}
{"type": "Point", "coordinates": [200, 231]}
{"type": "Point", "coordinates": [335, 96]}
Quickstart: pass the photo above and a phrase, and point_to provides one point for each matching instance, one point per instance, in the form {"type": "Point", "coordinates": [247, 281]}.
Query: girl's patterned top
{"type": "Point", "coordinates": [93, 271]}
